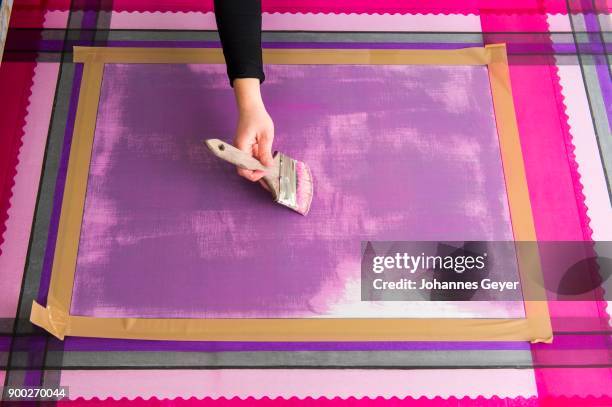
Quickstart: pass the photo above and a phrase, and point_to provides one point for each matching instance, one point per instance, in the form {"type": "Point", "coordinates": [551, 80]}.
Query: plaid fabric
{"type": "Point", "coordinates": [31, 357]}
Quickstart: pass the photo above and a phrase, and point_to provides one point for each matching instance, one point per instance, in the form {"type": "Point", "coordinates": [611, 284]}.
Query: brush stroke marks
{"type": "Point", "coordinates": [397, 153]}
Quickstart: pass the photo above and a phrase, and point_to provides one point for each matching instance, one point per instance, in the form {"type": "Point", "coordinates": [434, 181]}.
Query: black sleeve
{"type": "Point", "coordinates": [239, 25]}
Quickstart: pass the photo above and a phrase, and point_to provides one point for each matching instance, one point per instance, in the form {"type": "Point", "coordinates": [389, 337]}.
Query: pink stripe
{"type": "Point", "coordinates": [27, 14]}
{"type": "Point", "coordinates": [366, 402]}
{"type": "Point", "coordinates": [574, 382]}
{"type": "Point", "coordinates": [16, 237]}
{"type": "Point", "coordinates": [163, 21]}
{"type": "Point", "coordinates": [372, 22]}
{"type": "Point", "coordinates": [305, 22]}
{"type": "Point", "coordinates": [31, 14]}
{"type": "Point", "coordinates": [364, 6]}
{"type": "Point", "coordinates": [299, 383]}
{"type": "Point", "coordinates": [56, 19]}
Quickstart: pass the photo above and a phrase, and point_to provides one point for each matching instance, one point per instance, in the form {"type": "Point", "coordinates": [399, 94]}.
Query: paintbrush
{"type": "Point", "coordinates": [289, 180]}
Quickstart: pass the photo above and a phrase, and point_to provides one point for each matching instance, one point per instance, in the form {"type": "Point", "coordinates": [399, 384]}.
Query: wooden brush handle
{"type": "Point", "coordinates": [231, 154]}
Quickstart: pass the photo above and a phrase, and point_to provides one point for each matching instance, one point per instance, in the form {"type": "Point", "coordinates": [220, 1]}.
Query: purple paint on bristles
{"type": "Point", "coordinates": [305, 187]}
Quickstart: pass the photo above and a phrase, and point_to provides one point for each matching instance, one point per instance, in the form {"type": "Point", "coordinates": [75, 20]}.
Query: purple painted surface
{"type": "Point", "coordinates": [397, 153]}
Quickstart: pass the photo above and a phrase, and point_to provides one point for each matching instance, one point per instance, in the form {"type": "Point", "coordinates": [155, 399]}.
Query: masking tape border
{"type": "Point", "coordinates": [464, 56]}
{"type": "Point", "coordinates": [56, 318]}
{"type": "Point", "coordinates": [521, 213]}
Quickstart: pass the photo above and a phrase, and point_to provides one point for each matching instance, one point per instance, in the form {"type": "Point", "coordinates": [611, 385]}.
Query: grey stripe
{"type": "Point", "coordinates": [45, 198]}
{"type": "Point", "coordinates": [52, 35]}
{"type": "Point", "coordinates": [374, 37]}
{"type": "Point", "coordinates": [472, 358]}
{"type": "Point", "coordinates": [605, 22]}
{"type": "Point", "coordinates": [131, 35]}
{"type": "Point", "coordinates": [6, 325]}
{"type": "Point", "coordinates": [15, 378]}
{"type": "Point", "coordinates": [51, 57]}
{"type": "Point", "coordinates": [104, 20]}
{"type": "Point", "coordinates": [76, 17]}
{"type": "Point", "coordinates": [167, 35]}
{"type": "Point", "coordinates": [314, 36]}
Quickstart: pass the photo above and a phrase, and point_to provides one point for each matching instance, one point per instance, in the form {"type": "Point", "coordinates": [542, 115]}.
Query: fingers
{"type": "Point", "coordinates": [253, 176]}
{"type": "Point", "coordinates": [244, 142]}
{"type": "Point", "coordinates": [264, 147]}
{"type": "Point", "coordinates": [260, 147]}
{"type": "Point", "coordinates": [254, 136]}
{"type": "Point", "coordinates": [264, 185]}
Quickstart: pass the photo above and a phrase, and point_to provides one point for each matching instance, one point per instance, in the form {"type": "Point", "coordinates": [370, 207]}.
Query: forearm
{"type": "Point", "coordinates": [239, 25]}
{"type": "Point", "coordinates": [248, 94]}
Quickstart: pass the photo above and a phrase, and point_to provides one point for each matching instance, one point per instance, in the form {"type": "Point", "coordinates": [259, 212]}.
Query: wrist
{"type": "Point", "coordinates": [248, 94]}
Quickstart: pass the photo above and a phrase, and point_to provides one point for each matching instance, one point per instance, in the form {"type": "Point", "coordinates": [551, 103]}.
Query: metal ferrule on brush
{"type": "Point", "coordinates": [287, 194]}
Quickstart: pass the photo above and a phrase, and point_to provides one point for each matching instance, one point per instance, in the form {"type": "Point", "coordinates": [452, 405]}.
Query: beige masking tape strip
{"type": "Point", "coordinates": [64, 261]}
{"type": "Point", "coordinates": [466, 56]}
{"type": "Point", "coordinates": [298, 330]}
{"type": "Point", "coordinates": [518, 195]}
{"type": "Point", "coordinates": [55, 317]}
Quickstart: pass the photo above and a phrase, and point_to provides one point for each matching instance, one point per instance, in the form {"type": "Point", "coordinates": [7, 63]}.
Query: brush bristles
{"type": "Point", "coordinates": [304, 189]}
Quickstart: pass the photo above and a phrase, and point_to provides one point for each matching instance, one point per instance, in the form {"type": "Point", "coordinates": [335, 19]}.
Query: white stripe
{"type": "Point", "coordinates": [590, 167]}
{"type": "Point", "coordinates": [300, 383]}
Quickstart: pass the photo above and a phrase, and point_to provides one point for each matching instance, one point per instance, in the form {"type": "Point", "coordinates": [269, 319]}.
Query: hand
{"type": "Point", "coordinates": [255, 130]}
